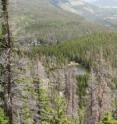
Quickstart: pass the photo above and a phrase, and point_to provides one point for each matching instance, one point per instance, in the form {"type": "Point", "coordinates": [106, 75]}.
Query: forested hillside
{"type": "Point", "coordinates": [56, 67]}
{"type": "Point", "coordinates": [45, 22]}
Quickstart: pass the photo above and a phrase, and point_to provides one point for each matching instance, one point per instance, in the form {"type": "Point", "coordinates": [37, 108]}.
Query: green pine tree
{"type": "Point", "coordinates": [107, 119]}
{"type": "Point", "coordinates": [44, 104]}
{"type": "Point", "coordinates": [3, 119]}
{"type": "Point", "coordinates": [59, 114]}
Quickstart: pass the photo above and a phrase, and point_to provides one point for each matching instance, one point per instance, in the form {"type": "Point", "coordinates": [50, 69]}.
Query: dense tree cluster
{"type": "Point", "coordinates": [84, 50]}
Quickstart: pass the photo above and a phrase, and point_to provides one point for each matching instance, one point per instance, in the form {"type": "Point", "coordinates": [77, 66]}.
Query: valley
{"type": "Point", "coordinates": [58, 62]}
{"type": "Point", "coordinates": [45, 22]}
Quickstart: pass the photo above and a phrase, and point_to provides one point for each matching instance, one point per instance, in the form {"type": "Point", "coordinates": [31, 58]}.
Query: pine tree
{"type": "Point", "coordinates": [3, 119]}
{"type": "Point", "coordinates": [59, 114]}
{"type": "Point", "coordinates": [44, 111]}
{"type": "Point", "coordinates": [107, 119]}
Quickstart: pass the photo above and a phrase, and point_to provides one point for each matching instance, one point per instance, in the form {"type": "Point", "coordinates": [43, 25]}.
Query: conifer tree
{"type": "Point", "coordinates": [3, 119]}
{"type": "Point", "coordinates": [108, 119]}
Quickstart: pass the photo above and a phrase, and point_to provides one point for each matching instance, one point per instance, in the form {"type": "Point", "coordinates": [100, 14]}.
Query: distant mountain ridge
{"type": "Point", "coordinates": [101, 11]}
{"type": "Point", "coordinates": [111, 3]}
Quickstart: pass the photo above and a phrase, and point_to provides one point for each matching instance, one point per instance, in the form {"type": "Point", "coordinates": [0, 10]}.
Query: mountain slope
{"type": "Point", "coordinates": [43, 21]}
{"type": "Point", "coordinates": [96, 11]}
{"type": "Point", "coordinates": [71, 82]}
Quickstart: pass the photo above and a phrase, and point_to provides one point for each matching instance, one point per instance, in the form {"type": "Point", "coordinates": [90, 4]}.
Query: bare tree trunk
{"type": "Point", "coordinates": [8, 49]}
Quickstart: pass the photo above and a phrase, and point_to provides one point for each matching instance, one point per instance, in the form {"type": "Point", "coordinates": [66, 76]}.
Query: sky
{"type": "Point", "coordinates": [90, 0]}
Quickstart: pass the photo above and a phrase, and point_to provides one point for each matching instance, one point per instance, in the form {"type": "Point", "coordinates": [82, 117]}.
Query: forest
{"type": "Point", "coordinates": [56, 70]}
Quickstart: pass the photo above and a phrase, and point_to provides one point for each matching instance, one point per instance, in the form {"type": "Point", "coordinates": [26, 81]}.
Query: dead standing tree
{"type": "Point", "coordinates": [7, 51]}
